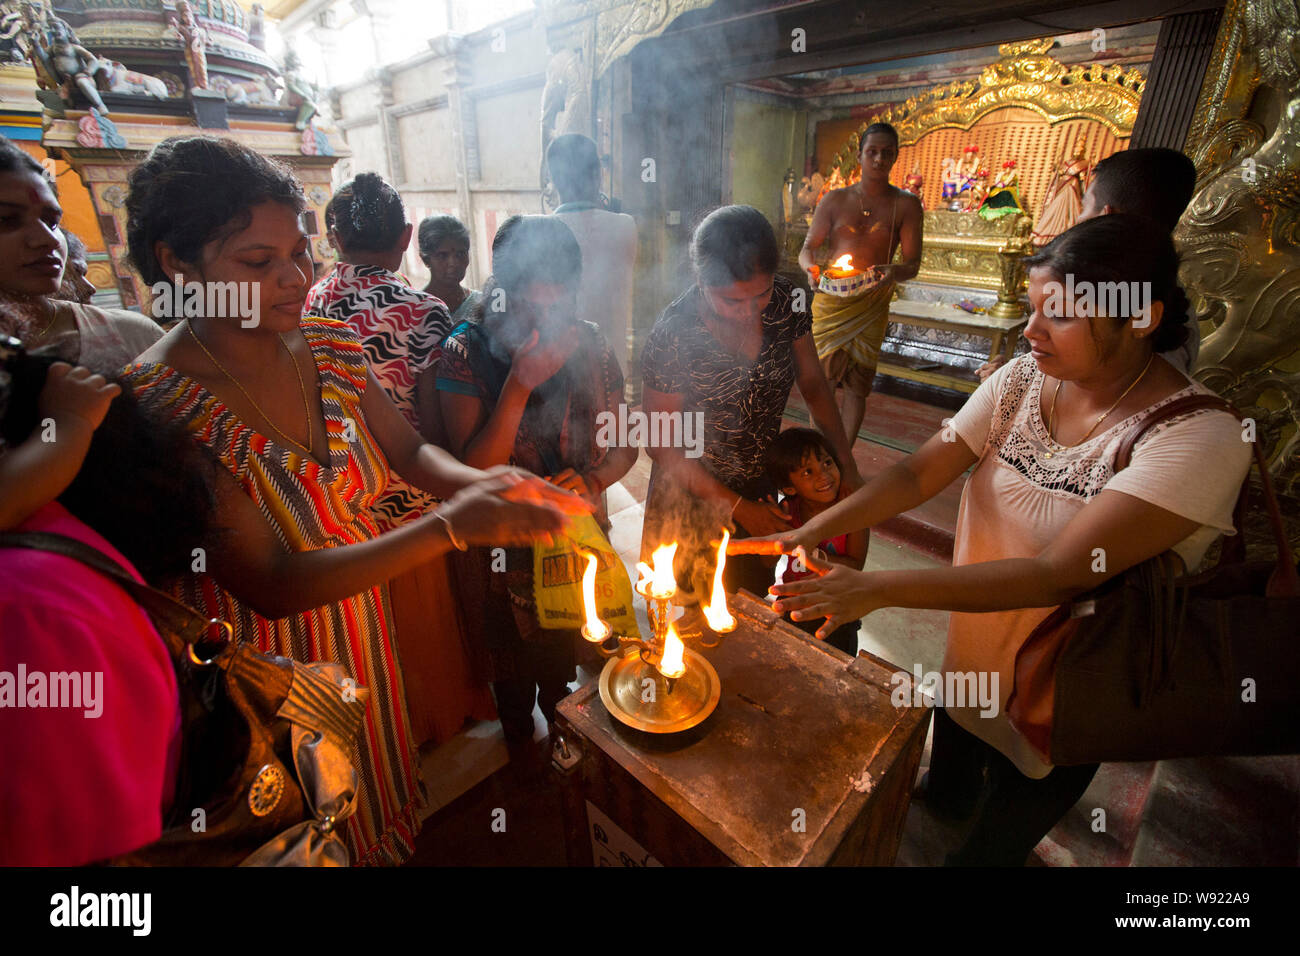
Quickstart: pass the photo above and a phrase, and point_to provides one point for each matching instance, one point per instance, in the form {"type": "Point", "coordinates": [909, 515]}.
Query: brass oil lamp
{"type": "Point", "coordinates": [659, 685]}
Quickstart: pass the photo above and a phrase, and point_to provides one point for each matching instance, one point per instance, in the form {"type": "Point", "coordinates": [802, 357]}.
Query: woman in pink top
{"type": "Point", "coordinates": [89, 708]}
{"type": "Point", "coordinates": [1041, 505]}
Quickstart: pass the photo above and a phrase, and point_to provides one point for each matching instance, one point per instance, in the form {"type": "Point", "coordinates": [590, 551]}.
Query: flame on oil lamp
{"type": "Point", "coordinates": [595, 630]}
{"type": "Point", "coordinates": [715, 612]}
{"type": "Point", "coordinates": [841, 267]}
{"type": "Point", "coordinates": [692, 688]}
{"type": "Point", "coordinates": [658, 581]}
{"type": "Point", "coordinates": [671, 663]}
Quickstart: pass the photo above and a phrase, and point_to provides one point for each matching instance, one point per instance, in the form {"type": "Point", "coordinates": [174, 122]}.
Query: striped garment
{"type": "Point", "coordinates": [402, 329]}
{"type": "Point", "coordinates": [309, 506]}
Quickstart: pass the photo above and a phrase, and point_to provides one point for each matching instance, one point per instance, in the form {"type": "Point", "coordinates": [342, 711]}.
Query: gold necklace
{"type": "Point", "coordinates": [1051, 417]}
{"type": "Point", "coordinates": [310, 447]}
{"type": "Point", "coordinates": [46, 331]}
{"type": "Point", "coordinates": [862, 204]}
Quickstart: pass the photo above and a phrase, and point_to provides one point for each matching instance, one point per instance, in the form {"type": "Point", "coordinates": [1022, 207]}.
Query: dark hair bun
{"type": "Point", "coordinates": [366, 214]}
{"type": "Point", "coordinates": [1175, 321]}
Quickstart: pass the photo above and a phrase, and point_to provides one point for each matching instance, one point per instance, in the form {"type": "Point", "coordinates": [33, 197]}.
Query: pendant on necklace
{"type": "Point", "coordinates": [1047, 455]}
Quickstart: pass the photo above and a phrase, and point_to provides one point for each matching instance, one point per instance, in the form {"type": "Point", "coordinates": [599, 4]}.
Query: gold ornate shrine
{"type": "Point", "coordinates": [1240, 237]}
{"type": "Point", "coordinates": [1027, 106]}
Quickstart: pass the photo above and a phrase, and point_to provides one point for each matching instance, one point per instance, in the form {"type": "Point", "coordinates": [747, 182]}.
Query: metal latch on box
{"type": "Point", "coordinates": [564, 755]}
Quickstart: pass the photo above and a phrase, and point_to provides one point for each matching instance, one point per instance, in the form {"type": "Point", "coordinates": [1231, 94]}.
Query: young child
{"type": "Point", "coordinates": [802, 464]}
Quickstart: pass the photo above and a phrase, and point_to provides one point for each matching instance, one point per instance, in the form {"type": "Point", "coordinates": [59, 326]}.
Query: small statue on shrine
{"type": "Point", "coordinates": [960, 177]}
{"type": "Point", "coordinates": [810, 188]}
{"type": "Point", "coordinates": [950, 179]}
{"type": "Point", "coordinates": [970, 168]}
{"type": "Point", "coordinates": [195, 40]}
{"type": "Point", "coordinates": [74, 65]}
{"type": "Point", "coordinates": [1004, 196]}
{"type": "Point", "coordinates": [298, 92]}
{"type": "Point", "coordinates": [257, 27]}
{"type": "Point", "coordinates": [977, 191]}
{"type": "Point", "coordinates": [1063, 200]}
{"type": "Point", "coordinates": [30, 30]}
{"type": "Point", "coordinates": [914, 182]}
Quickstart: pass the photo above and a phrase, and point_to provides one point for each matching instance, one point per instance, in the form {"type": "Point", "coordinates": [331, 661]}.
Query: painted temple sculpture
{"type": "Point", "coordinates": [112, 78]}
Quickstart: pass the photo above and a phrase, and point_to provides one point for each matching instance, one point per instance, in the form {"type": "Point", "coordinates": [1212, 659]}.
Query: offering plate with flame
{"type": "Point", "coordinates": [660, 685]}
{"type": "Point", "coordinates": [842, 279]}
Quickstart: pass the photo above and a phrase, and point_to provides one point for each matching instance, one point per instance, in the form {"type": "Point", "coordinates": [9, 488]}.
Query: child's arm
{"type": "Point", "coordinates": [71, 406]}
{"type": "Point", "coordinates": [857, 548]}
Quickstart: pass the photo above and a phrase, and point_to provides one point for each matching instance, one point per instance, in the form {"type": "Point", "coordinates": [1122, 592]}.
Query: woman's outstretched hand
{"type": "Point", "coordinates": [517, 484]}
{"type": "Point", "coordinates": [839, 594]}
{"type": "Point", "coordinates": [511, 508]}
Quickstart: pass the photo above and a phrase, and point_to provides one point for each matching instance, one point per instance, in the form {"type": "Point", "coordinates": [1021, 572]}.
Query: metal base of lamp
{"type": "Point", "coordinates": [663, 706]}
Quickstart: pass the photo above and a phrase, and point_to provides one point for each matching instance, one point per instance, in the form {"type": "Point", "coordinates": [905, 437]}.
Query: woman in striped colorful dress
{"type": "Point", "coordinates": [307, 437]}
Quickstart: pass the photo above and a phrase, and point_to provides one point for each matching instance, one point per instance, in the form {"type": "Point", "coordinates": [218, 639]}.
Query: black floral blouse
{"type": "Point", "coordinates": [742, 404]}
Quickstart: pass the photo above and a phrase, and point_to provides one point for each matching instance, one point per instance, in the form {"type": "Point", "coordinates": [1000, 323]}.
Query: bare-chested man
{"type": "Point", "coordinates": [868, 220]}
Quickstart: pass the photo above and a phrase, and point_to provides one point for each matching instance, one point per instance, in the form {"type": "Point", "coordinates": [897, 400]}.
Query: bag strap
{"type": "Point", "coordinates": [1284, 581]}
{"type": "Point", "coordinates": [1182, 406]}
{"type": "Point", "coordinates": [177, 624]}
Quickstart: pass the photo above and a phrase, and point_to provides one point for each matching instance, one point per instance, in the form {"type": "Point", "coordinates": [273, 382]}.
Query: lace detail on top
{"type": "Point", "coordinates": [1019, 437]}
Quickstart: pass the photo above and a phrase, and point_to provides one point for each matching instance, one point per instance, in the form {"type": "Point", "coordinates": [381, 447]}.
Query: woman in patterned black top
{"type": "Point", "coordinates": [728, 350]}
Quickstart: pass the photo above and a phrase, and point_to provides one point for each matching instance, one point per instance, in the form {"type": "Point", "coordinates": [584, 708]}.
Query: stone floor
{"type": "Point", "coordinates": [1212, 812]}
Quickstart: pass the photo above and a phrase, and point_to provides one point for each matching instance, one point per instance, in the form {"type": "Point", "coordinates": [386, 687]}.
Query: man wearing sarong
{"type": "Point", "coordinates": [869, 220]}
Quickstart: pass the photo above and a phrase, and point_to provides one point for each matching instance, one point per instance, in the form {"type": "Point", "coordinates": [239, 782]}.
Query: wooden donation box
{"type": "Point", "coordinates": [804, 762]}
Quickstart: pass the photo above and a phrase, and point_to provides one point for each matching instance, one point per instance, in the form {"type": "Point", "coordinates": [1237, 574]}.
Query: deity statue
{"type": "Point", "coordinates": [257, 27]}
{"type": "Point", "coordinates": [123, 80]}
{"type": "Point", "coordinates": [1063, 200]}
{"type": "Point", "coordinates": [298, 92]}
{"type": "Point", "coordinates": [914, 183]}
{"type": "Point", "coordinates": [950, 179]}
{"type": "Point", "coordinates": [971, 166]}
{"type": "Point", "coordinates": [566, 105]}
{"type": "Point", "coordinates": [75, 66]}
{"type": "Point", "coordinates": [1004, 196]}
{"type": "Point", "coordinates": [977, 191]}
{"type": "Point", "coordinates": [29, 28]}
{"type": "Point", "coordinates": [960, 177]}
{"type": "Point", "coordinates": [195, 40]}
{"type": "Point", "coordinates": [255, 92]}
{"type": "Point", "coordinates": [810, 187]}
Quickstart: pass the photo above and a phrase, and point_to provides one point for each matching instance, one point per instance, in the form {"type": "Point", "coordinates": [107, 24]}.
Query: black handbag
{"type": "Point", "coordinates": [265, 776]}
{"type": "Point", "coordinates": [1157, 664]}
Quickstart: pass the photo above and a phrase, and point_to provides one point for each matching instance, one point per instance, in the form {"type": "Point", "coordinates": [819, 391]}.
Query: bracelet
{"type": "Point", "coordinates": [451, 535]}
